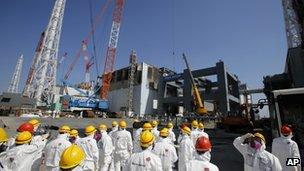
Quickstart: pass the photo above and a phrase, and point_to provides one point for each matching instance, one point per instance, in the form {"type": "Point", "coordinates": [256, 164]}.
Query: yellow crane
{"type": "Point", "coordinates": [198, 101]}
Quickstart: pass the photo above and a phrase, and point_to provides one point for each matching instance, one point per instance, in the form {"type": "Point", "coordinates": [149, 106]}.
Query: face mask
{"type": "Point", "coordinates": [288, 136]}
{"type": "Point", "coordinates": [255, 144]}
{"type": "Point", "coordinates": [97, 137]}
{"type": "Point", "coordinates": [72, 139]}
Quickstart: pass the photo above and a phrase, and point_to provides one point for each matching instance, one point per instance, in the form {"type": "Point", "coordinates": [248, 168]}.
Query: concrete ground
{"type": "Point", "coordinates": [223, 154]}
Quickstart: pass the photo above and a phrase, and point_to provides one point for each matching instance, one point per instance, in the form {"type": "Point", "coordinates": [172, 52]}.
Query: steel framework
{"type": "Point", "coordinates": [292, 26]}
{"type": "Point", "coordinates": [132, 69]}
{"type": "Point", "coordinates": [13, 87]}
{"type": "Point", "coordinates": [94, 24]}
{"type": "Point", "coordinates": [42, 75]}
{"type": "Point", "coordinates": [111, 51]}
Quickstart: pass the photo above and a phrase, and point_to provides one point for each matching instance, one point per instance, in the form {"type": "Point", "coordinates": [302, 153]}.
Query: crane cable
{"type": "Point", "coordinates": [93, 37]}
{"type": "Point", "coordinates": [173, 34]}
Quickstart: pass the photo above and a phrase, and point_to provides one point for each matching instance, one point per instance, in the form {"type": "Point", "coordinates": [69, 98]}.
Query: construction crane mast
{"type": "Point", "coordinates": [111, 51]}
{"type": "Point", "coordinates": [200, 108]}
{"type": "Point", "coordinates": [87, 62]}
{"type": "Point", "coordinates": [42, 76]}
{"type": "Point", "coordinates": [13, 87]}
{"type": "Point", "coordinates": [292, 25]}
{"type": "Point", "coordinates": [94, 23]}
{"type": "Point", "coordinates": [132, 69]}
{"type": "Point", "coordinates": [30, 76]}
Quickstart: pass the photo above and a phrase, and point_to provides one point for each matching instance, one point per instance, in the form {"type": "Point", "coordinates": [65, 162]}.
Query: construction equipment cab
{"type": "Point", "coordinates": [287, 107]}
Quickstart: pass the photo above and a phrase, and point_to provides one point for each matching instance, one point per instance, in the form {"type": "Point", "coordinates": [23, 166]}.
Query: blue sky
{"type": "Point", "coordinates": [248, 36]}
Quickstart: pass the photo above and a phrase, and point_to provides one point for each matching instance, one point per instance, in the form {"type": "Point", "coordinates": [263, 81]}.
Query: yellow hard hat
{"type": "Point", "coordinates": [73, 133]}
{"type": "Point", "coordinates": [102, 127]}
{"type": "Point", "coordinates": [71, 157]}
{"type": "Point", "coordinates": [146, 138]}
{"type": "Point", "coordinates": [164, 132]}
{"type": "Point", "coordinates": [114, 123]}
{"type": "Point", "coordinates": [154, 123]}
{"type": "Point", "coordinates": [3, 135]}
{"type": "Point", "coordinates": [201, 125]}
{"type": "Point", "coordinates": [34, 122]}
{"type": "Point", "coordinates": [186, 130]}
{"type": "Point", "coordinates": [64, 129]}
{"type": "Point", "coordinates": [147, 126]}
{"type": "Point", "coordinates": [23, 137]}
{"type": "Point", "coordinates": [194, 124]}
{"type": "Point", "coordinates": [260, 136]}
{"type": "Point", "coordinates": [89, 130]}
{"type": "Point", "coordinates": [122, 124]}
{"type": "Point", "coordinates": [170, 125]}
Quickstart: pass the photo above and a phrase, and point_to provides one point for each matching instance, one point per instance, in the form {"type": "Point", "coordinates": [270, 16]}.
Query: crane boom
{"type": "Point", "coordinates": [197, 98]}
{"type": "Point", "coordinates": [97, 20]}
{"type": "Point", "coordinates": [111, 51]}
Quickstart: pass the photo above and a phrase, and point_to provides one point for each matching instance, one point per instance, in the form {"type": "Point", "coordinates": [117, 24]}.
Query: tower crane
{"type": "Point", "coordinates": [13, 87]}
{"type": "Point", "coordinates": [41, 80]}
{"type": "Point", "coordinates": [92, 102]}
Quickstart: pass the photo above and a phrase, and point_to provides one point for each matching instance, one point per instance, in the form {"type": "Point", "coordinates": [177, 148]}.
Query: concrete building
{"type": "Point", "coordinates": [160, 90]}
{"type": "Point", "coordinates": [13, 103]}
{"type": "Point", "coordinates": [145, 90]}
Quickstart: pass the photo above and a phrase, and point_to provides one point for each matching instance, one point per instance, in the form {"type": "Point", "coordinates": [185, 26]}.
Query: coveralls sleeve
{"type": "Point", "coordinates": [238, 143]}
{"type": "Point", "coordinates": [276, 164]}
{"type": "Point", "coordinates": [130, 142]}
{"type": "Point", "coordinates": [295, 153]}
{"type": "Point", "coordinates": [189, 151]}
{"type": "Point", "coordinates": [174, 155]}
{"type": "Point", "coordinates": [274, 147]}
{"type": "Point", "coordinates": [95, 151]}
{"type": "Point", "coordinates": [173, 137]}
{"type": "Point", "coordinates": [107, 147]}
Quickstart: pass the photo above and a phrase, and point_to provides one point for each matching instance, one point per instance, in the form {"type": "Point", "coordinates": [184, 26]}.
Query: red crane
{"type": "Point", "coordinates": [87, 39]}
{"type": "Point", "coordinates": [111, 51]}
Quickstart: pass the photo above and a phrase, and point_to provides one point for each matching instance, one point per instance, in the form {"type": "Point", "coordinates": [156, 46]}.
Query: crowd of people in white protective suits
{"type": "Point", "coordinates": [150, 149]}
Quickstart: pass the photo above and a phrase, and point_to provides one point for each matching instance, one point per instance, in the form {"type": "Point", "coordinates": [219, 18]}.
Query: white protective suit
{"type": "Point", "coordinates": [201, 162]}
{"type": "Point", "coordinates": [185, 152]}
{"type": "Point", "coordinates": [20, 157]}
{"type": "Point", "coordinates": [172, 135]}
{"type": "Point", "coordinates": [90, 148]}
{"type": "Point", "coordinates": [155, 133]}
{"type": "Point", "coordinates": [165, 150]}
{"type": "Point", "coordinates": [114, 129]}
{"type": "Point", "coordinates": [37, 139]}
{"type": "Point", "coordinates": [143, 161]}
{"type": "Point", "coordinates": [195, 133]}
{"type": "Point", "coordinates": [136, 143]}
{"type": "Point", "coordinates": [256, 160]}
{"type": "Point", "coordinates": [179, 139]}
{"type": "Point", "coordinates": [53, 151]}
{"type": "Point", "coordinates": [106, 148]}
{"type": "Point", "coordinates": [283, 148]}
{"type": "Point", "coordinates": [203, 133]}
{"type": "Point", "coordinates": [40, 141]}
{"type": "Point", "coordinates": [122, 148]}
